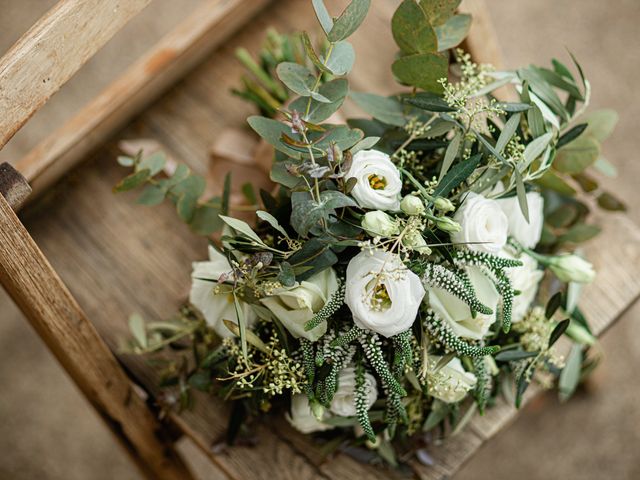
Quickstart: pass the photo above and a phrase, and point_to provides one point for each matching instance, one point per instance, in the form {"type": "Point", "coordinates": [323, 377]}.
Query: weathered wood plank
{"type": "Point", "coordinates": [52, 51]}
{"type": "Point", "coordinates": [35, 287]}
{"type": "Point", "coordinates": [176, 53]}
{"type": "Point", "coordinates": [482, 42]}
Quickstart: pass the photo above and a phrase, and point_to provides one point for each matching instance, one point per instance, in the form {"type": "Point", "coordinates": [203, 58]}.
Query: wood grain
{"type": "Point", "coordinates": [36, 288]}
{"type": "Point", "coordinates": [174, 55]}
{"type": "Point", "coordinates": [52, 51]}
{"type": "Point", "coordinates": [120, 258]}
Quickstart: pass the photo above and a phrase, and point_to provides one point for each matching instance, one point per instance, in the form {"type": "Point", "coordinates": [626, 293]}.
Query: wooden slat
{"type": "Point", "coordinates": [145, 80]}
{"type": "Point", "coordinates": [482, 42]}
{"type": "Point", "coordinates": [35, 287]}
{"type": "Point", "coordinates": [52, 51]}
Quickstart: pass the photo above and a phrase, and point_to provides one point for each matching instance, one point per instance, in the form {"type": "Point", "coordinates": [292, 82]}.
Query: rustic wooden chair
{"type": "Point", "coordinates": [118, 259]}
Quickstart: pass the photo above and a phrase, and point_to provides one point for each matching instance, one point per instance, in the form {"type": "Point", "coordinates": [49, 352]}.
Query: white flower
{"type": "Point", "coordinates": [572, 268]}
{"type": "Point", "coordinates": [296, 305]}
{"type": "Point", "coordinates": [412, 205]}
{"type": "Point", "coordinates": [343, 402]}
{"type": "Point", "coordinates": [525, 279]}
{"type": "Point", "coordinates": [526, 233]}
{"type": "Point", "coordinates": [414, 240]}
{"type": "Point", "coordinates": [380, 224]}
{"type": "Point", "coordinates": [214, 301]}
{"type": "Point", "coordinates": [302, 417]}
{"type": "Point", "coordinates": [378, 180]}
{"type": "Point", "coordinates": [450, 383]}
{"type": "Point", "coordinates": [457, 313]}
{"type": "Point", "coordinates": [382, 293]}
{"type": "Point", "coordinates": [482, 220]}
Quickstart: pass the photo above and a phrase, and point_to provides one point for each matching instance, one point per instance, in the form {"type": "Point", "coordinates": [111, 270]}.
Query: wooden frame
{"type": "Point", "coordinates": [54, 313]}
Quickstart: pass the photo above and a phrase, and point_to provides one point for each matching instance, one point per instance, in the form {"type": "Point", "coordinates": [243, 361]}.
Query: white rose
{"type": "Point", "coordinates": [378, 223]}
{"type": "Point", "coordinates": [526, 233]}
{"type": "Point", "coordinates": [457, 313]}
{"type": "Point", "coordinates": [382, 293]}
{"type": "Point", "coordinates": [451, 382]}
{"type": "Point", "coordinates": [482, 221]}
{"type": "Point", "coordinates": [302, 417]}
{"type": "Point", "coordinates": [378, 180]}
{"type": "Point", "coordinates": [296, 305]}
{"type": "Point", "coordinates": [525, 279]}
{"type": "Point", "coordinates": [215, 301]}
{"type": "Point", "coordinates": [343, 402]}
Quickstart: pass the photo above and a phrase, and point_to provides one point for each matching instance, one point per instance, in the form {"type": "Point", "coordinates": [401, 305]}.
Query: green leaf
{"type": "Point", "coordinates": [271, 220]}
{"type": "Point", "coordinates": [154, 163]}
{"type": "Point", "coordinates": [536, 121]}
{"type": "Point", "coordinates": [429, 102]}
{"type": "Point", "coordinates": [601, 124]}
{"type": "Point", "coordinates": [522, 195]}
{"type": "Point", "coordinates": [535, 148]}
{"type": "Point", "coordinates": [335, 90]}
{"type": "Point", "coordinates": [296, 77]}
{"type": "Point", "coordinates": [508, 131]}
{"type": "Point", "coordinates": [609, 202]}
{"type": "Point", "coordinates": [242, 228]}
{"type": "Point", "coordinates": [138, 330]}
{"type": "Point", "coordinates": [286, 277]}
{"type": "Point", "coordinates": [554, 303]}
{"type": "Point", "coordinates": [385, 109]}
{"type": "Point", "coordinates": [439, 11]}
{"type": "Point", "coordinates": [578, 155]}
{"type": "Point", "coordinates": [323, 15]}
{"type": "Point", "coordinates": [450, 154]}
{"type": "Point", "coordinates": [558, 81]}
{"type": "Point", "coordinates": [553, 182]}
{"type": "Point", "coordinates": [342, 58]}
{"type": "Point", "coordinates": [513, 107]}
{"type": "Point", "coordinates": [571, 135]}
{"type": "Point", "coordinates": [271, 130]}
{"type": "Point", "coordinates": [453, 32]}
{"type": "Point", "coordinates": [226, 194]}
{"type": "Point", "coordinates": [458, 174]}
{"type": "Point", "coordinates": [605, 167]}
{"type": "Point", "coordinates": [306, 212]}
{"type": "Point", "coordinates": [412, 30]}
{"type": "Point", "coordinates": [543, 90]}
{"type": "Point", "coordinates": [365, 144]}
{"type": "Point", "coordinates": [580, 233]}
{"type": "Point", "coordinates": [249, 193]}
{"type": "Point", "coordinates": [558, 330]}
{"type": "Point", "coordinates": [311, 53]}
{"type": "Point", "coordinates": [152, 195]}
{"type": "Point", "coordinates": [193, 185]}
{"type": "Point", "coordinates": [206, 220]}
{"type": "Point", "coordinates": [570, 375]}
{"type": "Point", "coordinates": [349, 21]}
{"type": "Point", "coordinates": [422, 70]}
{"type": "Point", "coordinates": [514, 355]}
{"type": "Point", "coordinates": [132, 181]}
{"type": "Point", "coordinates": [201, 380]}
{"type": "Point", "coordinates": [186, 206]}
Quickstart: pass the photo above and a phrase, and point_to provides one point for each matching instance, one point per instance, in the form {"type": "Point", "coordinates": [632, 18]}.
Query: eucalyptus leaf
{"type": "Point", "coordinates": [412, 30]}
{"type": "Point", "coordinates": [296, 77]}
{"type": "Point", "coordinates": [385, 109]}
{"type": "Point", "coordinates": [154, 163]}
{"type": "Point", "coordinates": [609, 202]}
{"type": "Point", "coordinates": [422, 70]}
{"type": "Point", "coordinates": [579, 233]}
{"type": "Point", "coordinates": [553, 182]}
{"type": "Point", "coordinates": [152, 195]}
{"type": "Point", "coordinates": [335, 91]}
{"type": "Point", "coordinates": [132, 181]}
{"type": "Point", "coordinates": [138, 330]}
{"type": "Point", "coordinates": [349, 21]}
{"type": "Point", "coordinates": [453, 32]}
{"type": "Point", "coordinates": [206, 220]}
{"type": "Point", "coordinates": [365, 144]}
{"type": "Point", "coordinates": [578, 155]}
{"type": "Point", "coordinates": [342, 58]}
{"type": "Point", "coordinates": [601, 124]}
{"type": "Point", "coordinates": [323, 15]}
{"type": "Point", "coordinates": [311, 53]}
{"type": "Point", "coordinates": [439, 11]}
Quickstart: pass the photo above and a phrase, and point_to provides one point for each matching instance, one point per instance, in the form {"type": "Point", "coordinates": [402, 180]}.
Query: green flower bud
{"type": "Point", "coordinates": [571, 268]}
{"type": "Point", "coordinates": [412, 205]}
{"type": "Point", "coordinates": [415, 241]}
{"type": "Point", "coordinates": [447, 225]}
{"type": "Point", "coordinates": [378, 223]}
{"type": "Point", "coordinates": [444, 204]}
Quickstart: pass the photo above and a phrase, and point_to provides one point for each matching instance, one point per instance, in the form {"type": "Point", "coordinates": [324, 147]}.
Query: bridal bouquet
{"type": "Point", "coordinates": [392, 283]}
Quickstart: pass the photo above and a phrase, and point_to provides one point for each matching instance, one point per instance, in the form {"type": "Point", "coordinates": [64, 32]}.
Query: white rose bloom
{"type": "Point", "coordinates": [216, 307]}
{"type": "Point", "coordinates": [482, 220]}
{"type": "Point", "coordinates": [302, 417]}
{"type": "Point", "coordinates": [526, 233]}
{"type": "Point", "coordinates": [382, 293]}
{"type": "Point", "coordinates": [525, 279]}
{"type": "Point", "coordinates": [343, 402]}
{"type": "Point", "coordinates": [378, 180]}
{"type": "Point", "coordinates": [296, 305]}
{"type": "Point", "coordinates": [457, 313]}
{"type": "Point", "coordinates": [451, 382]}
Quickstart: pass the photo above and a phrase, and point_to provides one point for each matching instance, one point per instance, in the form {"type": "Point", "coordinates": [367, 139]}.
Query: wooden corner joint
{"type": "Point", "coordinates": [13, 186]}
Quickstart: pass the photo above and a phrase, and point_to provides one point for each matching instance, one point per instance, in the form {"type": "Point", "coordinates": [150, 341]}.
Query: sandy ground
{"type": "Point", "coordinates": [48, 431]}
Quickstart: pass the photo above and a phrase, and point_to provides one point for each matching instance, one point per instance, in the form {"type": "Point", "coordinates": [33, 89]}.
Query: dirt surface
{"type": "Point", "coordinates": [48, 431]}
